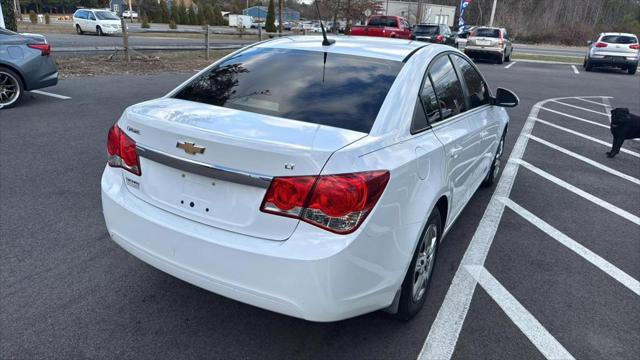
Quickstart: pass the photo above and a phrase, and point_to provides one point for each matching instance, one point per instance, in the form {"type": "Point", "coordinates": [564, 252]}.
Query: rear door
{"type": "Point", "coordinates": [457, 131]}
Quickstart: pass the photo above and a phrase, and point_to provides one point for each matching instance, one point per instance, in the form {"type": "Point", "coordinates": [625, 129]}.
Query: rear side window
{"type": "Point", "coordinates": [429, 106]}
{"type": "Point", "coordinates": [331, 89]}
{"type": "Point", "coordinates": [494, 33]}
{"type": "Point", "coordinates": [478, 93]}
{"type": "Point", "coordinates": [389, 21]}
{"type": "Point", "coordinates": [447, 87]}
{"type": "Point", "coordinates": [619, 39]}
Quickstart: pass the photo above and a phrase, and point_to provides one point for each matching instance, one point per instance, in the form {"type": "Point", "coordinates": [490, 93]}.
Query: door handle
{"type": "Point", "coordinates": [455, 152]}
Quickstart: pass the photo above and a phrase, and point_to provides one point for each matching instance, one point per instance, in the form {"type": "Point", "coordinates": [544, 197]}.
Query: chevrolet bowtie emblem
{"type": "Point", "coordinates": [190, 148]}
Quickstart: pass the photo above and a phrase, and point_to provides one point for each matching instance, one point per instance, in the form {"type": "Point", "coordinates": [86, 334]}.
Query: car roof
{"type": "Point", "coordinates": [373, 47]}
{"type": "Point", "coordinates": [618, 33]}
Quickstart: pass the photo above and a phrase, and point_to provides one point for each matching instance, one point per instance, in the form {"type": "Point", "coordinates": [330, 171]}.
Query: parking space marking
{"type": "Point", "coordinates": [586, 137]}
{"type": "Point", "coordinates": [582, 108]}
{"type": "Point", "coordinates": [575, 70]}
{"type": "Point", "coordinates": [605, 100]}
{"type": "Point", "coordinates": [50, 94]}
{"type": "Point", "coordinates": [445, 330]}
{"type": "Point", "coordinates": [510, 65]}
{"type": "Point", "coordinates": [594, 199]}
{"type": "Point", "coordinates": [602, 264]}
{"type": "Point", "coordinates": [527, 323]}
{"type": "Point", "coordinates": [586, 160]}
{"type": "Point", "coordinates": [576, 118]}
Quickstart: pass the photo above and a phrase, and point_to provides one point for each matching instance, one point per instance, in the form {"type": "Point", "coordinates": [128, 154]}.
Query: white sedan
{"type": "Point", "coordinates": [315, 181]}
{"type": "Point", "coordinates": [129, 14]}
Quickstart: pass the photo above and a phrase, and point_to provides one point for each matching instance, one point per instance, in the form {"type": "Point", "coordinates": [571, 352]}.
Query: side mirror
{"type": "Point", "coordinates": [505, 98]}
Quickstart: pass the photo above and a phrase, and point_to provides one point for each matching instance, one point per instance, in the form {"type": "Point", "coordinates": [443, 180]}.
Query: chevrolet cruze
{"type": "Point", "coordinates": [312, 180]}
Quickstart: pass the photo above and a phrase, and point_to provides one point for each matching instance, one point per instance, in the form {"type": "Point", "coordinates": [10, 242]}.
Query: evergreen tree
{"type": "Point", "coordinates": [182, 18]}
{"type": "Point", "coordinates": [173, 16]}
{"type": "Point", "coordinates": [164, 12]}
{"type": "Point", "coordinates": [218, 19]}
{"type": "Point", "coordinates": [193, 18]}
{"type": "Point", "coordinates": [270, 25]}
{"type": "Point", "coordinates": [8, 15]}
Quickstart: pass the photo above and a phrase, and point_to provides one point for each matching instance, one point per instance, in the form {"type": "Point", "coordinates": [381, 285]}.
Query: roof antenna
{"type": "Point", "coordinates": [325, 41]}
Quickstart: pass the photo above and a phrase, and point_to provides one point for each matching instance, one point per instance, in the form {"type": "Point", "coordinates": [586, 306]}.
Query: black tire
{"type": "Point", "coordinates": [588, 66]}
{"type": "Point", "coordinates": [99, 31]}
{"type": "Point", "coordinates": [11, 88]}
{"type": "Point", "coordinates": [501, 59]}
{"type": "Point", "coordinates": [508, 58]}
{"type": "Point", "coordinates": [494, 169]}
{"type": "Point", "coordinates": [422, 264]}
{"type": "Point", "coordinates": [632, 69]}
{"type": "Point", "coordinates": [79, 30]}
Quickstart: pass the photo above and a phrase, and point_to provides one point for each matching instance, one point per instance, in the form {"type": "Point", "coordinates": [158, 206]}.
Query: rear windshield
{"type": "Point", "coordinates": [383, 21]}
{"type": "Point", "coordinates": [619, 39]}
{"type": "Point", "coordinates": [494, 33]}
{"type": "Point", "coordinates": [106, 15]}
{"type": "Point", "coordinates": [337, 90]}
{"type": "Point", "coordinates": [426, 29]}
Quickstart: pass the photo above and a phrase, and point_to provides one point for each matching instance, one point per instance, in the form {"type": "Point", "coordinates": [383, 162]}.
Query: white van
{"type": "Point", "coordinates": [99, 21]}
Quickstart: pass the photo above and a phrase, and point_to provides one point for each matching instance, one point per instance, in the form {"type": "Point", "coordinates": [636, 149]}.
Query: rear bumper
{"type": "Point", "coordinates": [40, 72]}
{"type": "Point", "coordinates": [617, 61]}
{"type": "Point", "coordinates": [315, 279]}
{"type": "Point", "coordinates": [482, 51]}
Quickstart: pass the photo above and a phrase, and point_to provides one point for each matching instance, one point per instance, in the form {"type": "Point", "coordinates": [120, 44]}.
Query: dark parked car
{"type": "Point", "coordinates": [25, 64]}
{"type": "Point", "coordinates": [434, 33]}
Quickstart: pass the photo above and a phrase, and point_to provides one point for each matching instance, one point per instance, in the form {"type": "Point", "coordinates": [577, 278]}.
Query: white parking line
{"type": "Point", "coordinates": [527, 323]}
{"type": "Point", "coordinates": [577, 118]}
{"type": "Point", "coordinates": [586, 160]}
{"type": "Point", "coordinates": [445, 330]}
{"type": "Point", "coordinates": [575, 70]}
{"type": "Point", "coordinates": [605, 99]}
{"type": "Point", "coordinates": [594, 199]}
{"type": "Point", "coordinates": [602, 264]}
{"type": "Point", "coordinates": [50, 94]}
{"type": "Point", "coordinates": [582, 108]}
{"type": "Point", "coordinates": [510, 65]}
{"type": "Point", "coordinates": [586, 137]}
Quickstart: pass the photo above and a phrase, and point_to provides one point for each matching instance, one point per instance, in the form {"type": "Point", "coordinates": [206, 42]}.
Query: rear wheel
{"type": "Point", "coordinates": [508, 57]}
{"type": "Point", "coordinates": [494, 170]}
{"type": "Point", "coordinates": [501, 59]}
{"type": "Point", "coordinates": [416, 281]}
{"type": "Point", "coordinates": [11, 88]}
{"type": "Point", "coordinates": [587, 65]}
{"type": "Point", "coordinates": [632, 69]}
{"type": "Point", "coordinates": [79, 30]}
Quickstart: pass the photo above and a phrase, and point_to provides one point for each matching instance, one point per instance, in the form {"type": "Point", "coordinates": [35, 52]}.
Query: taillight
{"type": "Point", "coordinates": [439, 38]}
{"type": "Point", "coordinates": [338, 203]}
{"type": "Point", "coordinates": [45, 49]}
{"type": "Point", "coordinates": [601, 45]}
{"type": "Point", "coordinates": [634, 46]}
{"type": "Point", "coordinates": [122, 151]}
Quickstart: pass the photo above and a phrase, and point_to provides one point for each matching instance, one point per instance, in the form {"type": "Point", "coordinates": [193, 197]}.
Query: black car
{"type": "Point", "coordinates": [434, 33]}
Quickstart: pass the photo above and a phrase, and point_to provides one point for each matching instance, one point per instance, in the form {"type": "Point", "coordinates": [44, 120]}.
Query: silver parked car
{"type": "Point", "coordinates": [25, 64]}
{"type": "Point", "coordinates": [489, 42]}
{"type": "Point", "coordinates": [615, 50]}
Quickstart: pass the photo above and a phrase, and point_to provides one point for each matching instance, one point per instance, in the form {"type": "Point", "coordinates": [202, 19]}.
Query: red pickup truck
{"type": "Point", "coordinates": [384, 26]}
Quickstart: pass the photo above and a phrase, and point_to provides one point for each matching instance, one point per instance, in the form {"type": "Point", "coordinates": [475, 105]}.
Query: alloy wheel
{"type": "Point", "coordinates": [9, 89]}
{"type": "Point", "coordinates": [424, 262]}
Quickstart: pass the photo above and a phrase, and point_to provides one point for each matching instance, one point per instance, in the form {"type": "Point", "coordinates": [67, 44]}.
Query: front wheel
{"type": "Point", "coordinates": [79, 30]}
{"type": "Point", "coordinates": [494, 169]}
{"type": "Point", "coordinates": [416, 281]}
{"type": "Point", "coordinates": [99, 31]}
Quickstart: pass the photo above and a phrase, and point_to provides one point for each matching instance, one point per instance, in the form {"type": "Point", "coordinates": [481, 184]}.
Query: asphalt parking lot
{"type": "Point", "coordinates": [545, 264]}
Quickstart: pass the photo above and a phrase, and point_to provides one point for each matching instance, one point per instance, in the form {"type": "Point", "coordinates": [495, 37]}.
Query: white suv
{"type": "Point", "coordinates": [614, 50]}
{"type": "Point", "coordinates": [97, 21]}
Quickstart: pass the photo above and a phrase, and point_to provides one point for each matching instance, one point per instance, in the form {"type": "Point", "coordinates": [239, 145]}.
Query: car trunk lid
{"type": "Point", "coordinates": [221, 172]}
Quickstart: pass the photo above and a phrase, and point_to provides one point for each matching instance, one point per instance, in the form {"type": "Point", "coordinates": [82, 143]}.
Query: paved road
{"type": "Point", "coordinates": [68, 42]}
{"type": "Point", "coordinates": [70, 292]}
